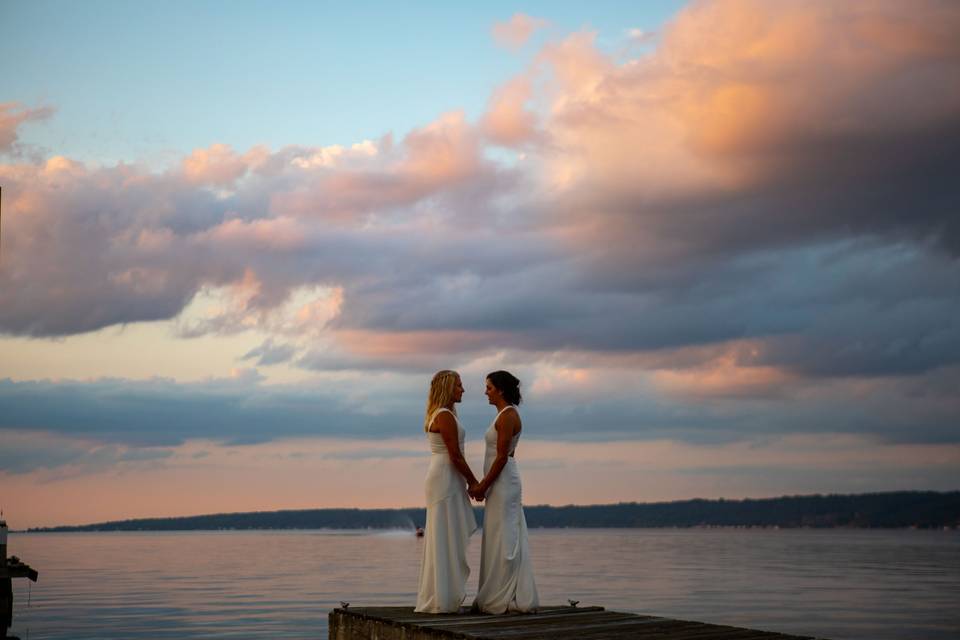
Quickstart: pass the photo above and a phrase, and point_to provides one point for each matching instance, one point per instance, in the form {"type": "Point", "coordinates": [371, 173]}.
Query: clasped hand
{"type": "Point", "coordinates": [477, 492]}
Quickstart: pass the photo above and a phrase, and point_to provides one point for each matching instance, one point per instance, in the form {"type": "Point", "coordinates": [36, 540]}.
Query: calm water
{"type": "Point", "coordinates": [836, 584]}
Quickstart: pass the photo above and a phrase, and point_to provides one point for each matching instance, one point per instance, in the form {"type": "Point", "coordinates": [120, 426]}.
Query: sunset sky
{"type": "Point", "coordinates": [719, 242]}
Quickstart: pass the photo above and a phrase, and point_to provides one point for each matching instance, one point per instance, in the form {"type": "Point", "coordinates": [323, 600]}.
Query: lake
{"type": "Point", "coordinates": [838, 584]}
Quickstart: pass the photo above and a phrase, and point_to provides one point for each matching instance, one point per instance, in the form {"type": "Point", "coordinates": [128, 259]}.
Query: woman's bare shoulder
{"type": "Point", "coordinates": [444, 421]}
{"type": "Point", "coordinates": [509, 419]}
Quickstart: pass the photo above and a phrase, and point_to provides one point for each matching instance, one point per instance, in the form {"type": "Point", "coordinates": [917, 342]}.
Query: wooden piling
{"type": "Point", "coordinates": [553, 623]}
{"type": "Point", "coordinates": [10, 568]}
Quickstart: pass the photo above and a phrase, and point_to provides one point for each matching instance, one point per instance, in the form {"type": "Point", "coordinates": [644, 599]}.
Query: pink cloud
{"type": "Point", "coordinates": [717, 238]}
{"type": "Point", "coordinates": [290, 473]}
{"type": "Point", "coordinates": [399, 350]}
{"type": "Point", "coordinates": [515, 32]}
{"type": "Point", "coordinates": [446, 150]}
{"type": "Point", "coordinates": [507, 121]}
{"type": "Point", "coordinates": [217, 165]}
{"type": "Point", "coordinates": [122, 231]}
{"type": "Point", "coordinates": [740, 80]}
{"type": "Point", "coordinates": [639, 180]}
{"type": "Point", "coordinates": [725, 377]}
{"type": "Point", "coordinates": [278, 234]}
{"type": "Point", "coordinates": [12, 116]}
{"type": "Point", "coordinates": [756, 76]}
{"type": "Point", "coordinates": [429, 161]}
{"type": "Point", "coordinates": [745, 109]}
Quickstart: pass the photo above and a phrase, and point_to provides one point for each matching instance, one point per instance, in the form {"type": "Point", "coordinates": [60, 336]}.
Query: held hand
{"type": "Point", "coordinates": [477, 492]}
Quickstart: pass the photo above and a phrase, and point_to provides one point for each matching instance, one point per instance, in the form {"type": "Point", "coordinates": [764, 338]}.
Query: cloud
{"type": "Point", "coordinates": [318, 473]}
{"type": "Point", "coordinates": [269, 353]}
{"type": "Point", "coordinates": [732, 135]}
{"type": "Point", "coordinates": [515, 32]}
{"type": "Point", "coordinates": [753, 206]}
{"type": "Point", "coordinates": [641, 36]}
{"type": "Point", "coordinates": [157, 413]}
{"type": "Point", "coordinates": [507, 121]}
{"type": "Point", "coordinates": [217, 165]}
{"type": "Point", "coordinates": [28, 451]}
{"type": "Point", "coordinates": [91, 247]}
{"type": "Point", "coordinates": [565, 400]}
{"type": "Point", "coordinates": [12, 116]}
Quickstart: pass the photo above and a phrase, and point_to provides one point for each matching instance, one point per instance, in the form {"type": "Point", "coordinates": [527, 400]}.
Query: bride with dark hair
{"type": "Point", "coordinates": [506, 572]}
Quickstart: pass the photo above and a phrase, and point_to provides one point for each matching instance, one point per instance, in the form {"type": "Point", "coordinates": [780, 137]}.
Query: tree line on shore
{"type": "Point", "coordinates": [920, 509]}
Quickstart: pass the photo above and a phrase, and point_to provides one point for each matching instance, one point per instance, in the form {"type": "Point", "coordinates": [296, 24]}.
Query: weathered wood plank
{"type": "Point", "coordinates": [511, 622]}
{"type": "Point", "coordinates": [600, 628]}
{"type": "Point", "coordinates": [518, 630]}
{"type": "Point", "coordinates": [549, 623]}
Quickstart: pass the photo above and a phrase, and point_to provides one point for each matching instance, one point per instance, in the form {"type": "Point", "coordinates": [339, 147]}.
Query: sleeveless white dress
{"type": "Point", "coordinates": [450, 523]}
{"type": "Point", "coordinates": [506, 572]}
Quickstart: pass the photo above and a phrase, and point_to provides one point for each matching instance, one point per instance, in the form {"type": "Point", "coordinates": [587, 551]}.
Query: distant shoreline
{"type": "Point", "coordinates": [50, 530]}
{"type": "Point", "coordinates": [887, 510]}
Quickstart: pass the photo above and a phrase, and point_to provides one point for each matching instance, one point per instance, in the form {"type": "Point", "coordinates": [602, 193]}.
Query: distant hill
{"type": "Point", "coordinates": [922, 509]}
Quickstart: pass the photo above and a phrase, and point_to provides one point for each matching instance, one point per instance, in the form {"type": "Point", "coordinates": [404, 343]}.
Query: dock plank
{"type": "Point", "coordinates": [551, 622]}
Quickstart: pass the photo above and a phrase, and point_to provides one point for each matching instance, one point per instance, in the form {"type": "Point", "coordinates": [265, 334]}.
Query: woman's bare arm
{"type": "Point", "coordinates": [508, 424]}
{"type": "Point", "coordinates": [446, 426]}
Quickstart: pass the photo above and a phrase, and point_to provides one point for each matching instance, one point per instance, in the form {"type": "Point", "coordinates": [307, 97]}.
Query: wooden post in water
{"type": "Point", "coordinates": [9, 568]}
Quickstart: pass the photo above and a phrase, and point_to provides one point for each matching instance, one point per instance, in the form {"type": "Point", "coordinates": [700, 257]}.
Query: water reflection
{"type": "Point", "coordinates": [845, 585]}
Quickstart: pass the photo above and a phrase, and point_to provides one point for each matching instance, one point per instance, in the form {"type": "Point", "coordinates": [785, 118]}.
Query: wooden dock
{"type": "Point", "coordinates": [549, 623]}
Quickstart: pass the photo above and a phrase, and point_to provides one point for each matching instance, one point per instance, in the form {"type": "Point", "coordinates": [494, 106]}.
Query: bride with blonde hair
{"type": "Point", "coordinates": [450, 520]}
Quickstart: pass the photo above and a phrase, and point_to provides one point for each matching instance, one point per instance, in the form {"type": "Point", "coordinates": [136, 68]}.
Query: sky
{"type": "Point", "coordinates": [717, 241]}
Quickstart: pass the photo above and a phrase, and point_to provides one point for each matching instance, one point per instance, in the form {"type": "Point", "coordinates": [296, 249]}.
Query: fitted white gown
{"type": "Point", "coordinates": [450, 523]}
{"type": "Point", "coordinates": [506, 572]}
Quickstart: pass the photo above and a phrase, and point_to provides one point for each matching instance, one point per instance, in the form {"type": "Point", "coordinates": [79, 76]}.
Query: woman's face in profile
{"type": "Point", "coordinates": [492, 393]}
{"type": "Point", "coordinates": [457, 390]}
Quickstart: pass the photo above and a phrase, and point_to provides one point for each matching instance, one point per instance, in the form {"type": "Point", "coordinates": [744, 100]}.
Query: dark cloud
{"type": "Point", "coordinates": [163, 413]}
{"type": "Point", "coordinates": [151, 415]}
{"type": "Point", "coordinates": [23, 452]}
{"type": "Point", "coordinates": [802, 202]}
{"type": "Point", "coordinates": [269, 353]}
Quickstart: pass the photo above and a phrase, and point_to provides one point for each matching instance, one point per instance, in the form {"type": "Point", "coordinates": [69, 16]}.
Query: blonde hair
{"type": "Point", "coordinates": [440, 394]}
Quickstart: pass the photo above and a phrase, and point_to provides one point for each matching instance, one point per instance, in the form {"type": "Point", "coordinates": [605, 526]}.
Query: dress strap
{"type": "Point", "coordinates": [509, 406]}
{"type": "Point", "coordinates": [436, 413]}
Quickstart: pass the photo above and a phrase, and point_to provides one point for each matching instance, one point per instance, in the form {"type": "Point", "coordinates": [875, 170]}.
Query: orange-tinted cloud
{"type": "Point", "coordinates": [217, 165]}
{"type": "Point", "coordinates": [429, 161]}
{"type": "Point", "coordinates": [719, 188]}
{"type": "Point", "coordinates": [508, 121]}
{"type": "Point", "coordinates": [515, 32]}
{"type": "Point", "coordinates": [725, 377]}
{"type": "Point", "coordinates": [198, 477]}
{"type": "Point", "coordinates": [747, 235]}
{"type": "Point", "coordinates": [756, 77]}
{"type": "Point", "coordinates": [12, 116]}
{"type": "Point", "coordinates": [750, 98]}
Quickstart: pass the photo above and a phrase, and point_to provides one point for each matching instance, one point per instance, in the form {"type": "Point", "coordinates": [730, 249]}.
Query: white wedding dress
{"type": "Point", "coordinates": [450, 523]}
{"type": "Point", "coordinates": [506, 572]}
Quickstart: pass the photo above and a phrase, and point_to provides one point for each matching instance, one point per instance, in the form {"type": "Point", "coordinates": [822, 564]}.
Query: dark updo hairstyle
{"type": "Point", "coordinates": [507, 384]}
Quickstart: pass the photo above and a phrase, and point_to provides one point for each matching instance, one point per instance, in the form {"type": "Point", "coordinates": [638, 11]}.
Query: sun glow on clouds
{"type": "Point", "coordinates": [307, 473]}
{"type": "Point", "coordinates": [515, 32]}
{"type": "Point", "coordinates": [725, 376]}
{"type": "Point", "coordinates": [329, 156]}
{"type": "Point", "coordinates": [711, 238]}
{"type": "Point", "coordinates": [244, 305]}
